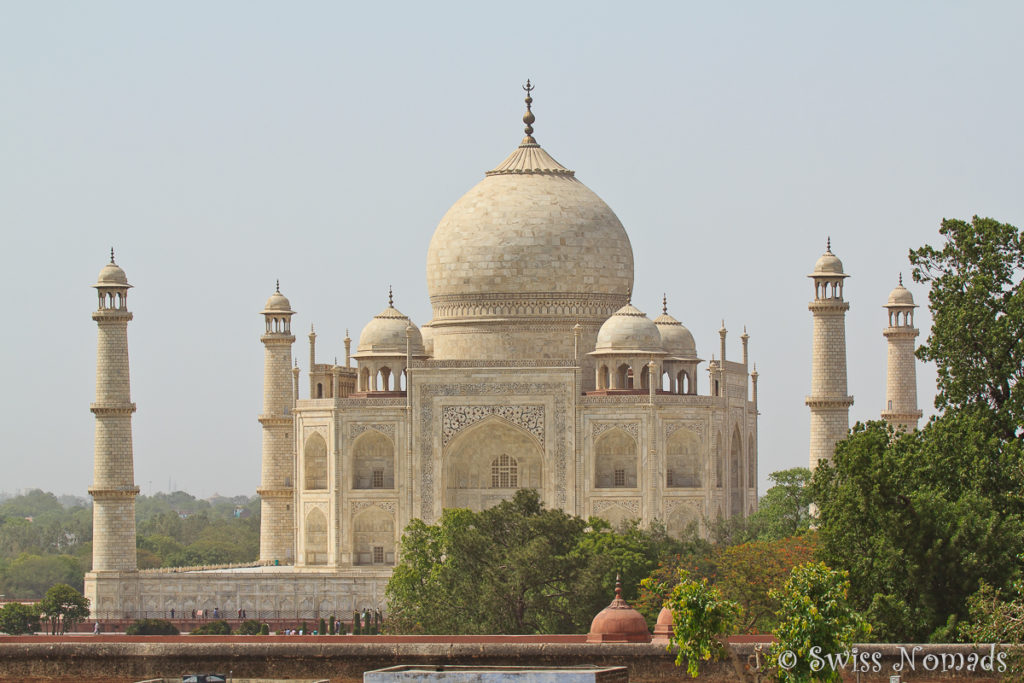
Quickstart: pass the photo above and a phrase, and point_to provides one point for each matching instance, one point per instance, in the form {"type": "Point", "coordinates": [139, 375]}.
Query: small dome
{"type": "Point", "coordinates": [828, 263]}
{"type": "Point", "coordinates": [385, 335]}
{"type": "Point", "coordinates": [618, 623]}
{"type": "Point", "coordinates": [112, 275]}
{"type": "Point", "coordinates": [628, 330]}
{"type": "Point", "coordinates": [901, 296]}
{"type": "Point", "coordinates": [675, 338]}
{"type": "Point", "coordinates": [663, 629]}
{"type": "Point", "coordinates": [278, 303]}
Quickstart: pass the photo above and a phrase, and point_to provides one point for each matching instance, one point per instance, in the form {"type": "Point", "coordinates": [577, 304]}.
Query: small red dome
{"type": "Point", "coordinates": [619, 623]}
{"type": "Point", "coordinates": [663, 629]}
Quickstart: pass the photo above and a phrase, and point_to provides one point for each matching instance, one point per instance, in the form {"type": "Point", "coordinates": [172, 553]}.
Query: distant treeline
{"type": "Point", "coordinates": [46, 540]}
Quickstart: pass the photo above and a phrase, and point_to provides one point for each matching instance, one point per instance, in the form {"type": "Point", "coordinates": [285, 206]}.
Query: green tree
{"type": "Point", "coordinates": [977, 305]}
{"type": "Point", "coordinates": [817, 621]}
{"type": "Point", "coordinates": [701, 620]}
{"type": "Point", "coordinates": [17, 618]}
{"type": "Point", "coordinates": [784, 509]}
{"type": "Point", "coordinates": [919, 521]}
{"type": "Point", "coordinates": [29, 576]}
{"type": "Point", "coordinates": [62, 607]}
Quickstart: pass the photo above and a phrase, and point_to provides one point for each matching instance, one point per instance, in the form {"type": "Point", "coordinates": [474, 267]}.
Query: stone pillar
{"type": "Point", "coordinates": [901, 380]}
{"type": "Point", "coordinates": [828, 400]}
{"type": "Point", "coordinates": [113, 489]}
{"type": "Point", "coordinates": [277, 526]}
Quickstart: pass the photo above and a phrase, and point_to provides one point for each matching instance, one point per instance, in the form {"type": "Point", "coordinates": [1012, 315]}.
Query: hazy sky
{"type": "Point", "coordinates": [221, 145]}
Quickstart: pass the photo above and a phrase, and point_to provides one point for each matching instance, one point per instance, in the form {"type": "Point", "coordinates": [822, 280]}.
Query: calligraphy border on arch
{"type": "Point", "coordinates": [559, 392]}
{"type": "Point", "coordinates": [456, 418]}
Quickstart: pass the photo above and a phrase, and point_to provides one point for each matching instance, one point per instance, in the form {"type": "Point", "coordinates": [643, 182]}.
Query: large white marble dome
{"type": "Point", "coordinates": [529, 243]}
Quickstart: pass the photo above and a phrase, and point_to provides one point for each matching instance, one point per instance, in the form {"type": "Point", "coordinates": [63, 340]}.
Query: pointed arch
{"type": "Point", "coordinates": [751, 463]}
{"type": "Point", "coordinates": [684, 521]}
{"type": "Point", "coordinates": [314, 463]}
{"type": "Point", "coordinates": [736, 475]}
{"type": "Point", "coordinates": [616, 515]}
{"type": "Point", "coordinates": [373, 461]}
{"type": "Point", "coordinates": [373, 537]}
{"type": "Point", "coordinates": [719, 463]}
{"type": "Point", "coordinates": [682, 461]}
{"type": "Point", "coordinates": [470, 458]}
{"type": "Point", "coordinates": [316, 537]}
{"type": "Point", "coordinates": [615, 460]}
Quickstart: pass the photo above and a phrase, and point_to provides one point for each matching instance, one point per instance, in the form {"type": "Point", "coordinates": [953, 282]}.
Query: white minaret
{"type": "Point", "coordinates": [113, 489]}
{"type": "Point", "coordinates": [829, 404]}
{"type": "Point", "coordinates": [277, 522]}
{"type": "Point", "coordinates": [901, 381]}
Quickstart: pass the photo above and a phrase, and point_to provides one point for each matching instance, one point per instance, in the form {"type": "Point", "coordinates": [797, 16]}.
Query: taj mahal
{"type": "Point", "coordinates": [536, 371]}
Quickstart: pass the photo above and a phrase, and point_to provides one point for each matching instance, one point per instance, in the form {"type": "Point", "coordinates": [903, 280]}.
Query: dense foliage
{"type": "Point", "coordinates": [515, 568]}
{"type": "Point", "coordinates": [816, 623]}
{"type": "Point", "coordinates": [62, 607]}
{"type": "Point", "coordinates": [922, 521]}
{"type": "Point", "coordinates": [701, 620]}
{"type": "Point", "coordinates": [213, 628]}
{"type": "Point", "coordinates": [17, 619]}
{"type": "Point", "coordinates": [45, 540]}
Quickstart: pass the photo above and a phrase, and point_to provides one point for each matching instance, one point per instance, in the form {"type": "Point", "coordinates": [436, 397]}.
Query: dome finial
{"type": "Point", "coordinates": [618, 586]}
{"type": "Point", "coordinates": [901, 279]}
{"type": "Point", "coordinates": [664, 304]}
{"type": "Point", "coordinates": [828, 244]}
{"type": "Point", "coordinates": [112, 255]}
{"type": "Point", "coordinates": [391, 298]}
{"type": "Point", "coordinates": [277, 286]}
{"type": "Point", "coordinates": [528, 117]}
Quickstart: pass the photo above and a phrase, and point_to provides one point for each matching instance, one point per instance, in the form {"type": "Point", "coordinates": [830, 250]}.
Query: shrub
{"type": "Point", "coordinates": [16, 618]}
{"type": "Point", "coordinates": [213, 628]}
{"type": "Point", "coordinates": [322, 627]}
{"type": "Point", "coordinates": [250, 627]}
{"type": "Point", "coordinates": [330, 625]}
{"type": "Point", "coordinates": [265, 630]}
{"type": "Point", "coordinates": [151, 627]}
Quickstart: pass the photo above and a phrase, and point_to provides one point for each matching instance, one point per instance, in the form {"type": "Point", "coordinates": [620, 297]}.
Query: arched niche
{"type": "Point", "coordinates": [719, 463]}
{"type": "Point", "coordinates": [316, 537]}
{"type": "Point", "coordinates": [615, 458]}
{"type": "Point", "coordinates": [373, 537]}
{"type": "Point", "coordinates": [682, 460]}
{"type": "Point", "coordinates": [472, 464]}
{"type": "Point", "coordinates": [616, 515]}
{"type": "Point", "coordinates": [736, 475]}
{"type": "Point", "coordinates": [314, 462]}
{"type": "Point", "coordinates": [751, 463]}
{"type": "Point", "coordinates": [684, 521]}
{"type": "Point", "coordinates": [373, 461]}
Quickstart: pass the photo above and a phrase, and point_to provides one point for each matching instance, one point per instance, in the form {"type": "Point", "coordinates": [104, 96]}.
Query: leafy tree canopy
{"type": "Point", "coordinates": [17, 619]}
{"type": "Point", "coordinates": [63, 607]}
{"type": "Point", "coordinates": [514, 568]}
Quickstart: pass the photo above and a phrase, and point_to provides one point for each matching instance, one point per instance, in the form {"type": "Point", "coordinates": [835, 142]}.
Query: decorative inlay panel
{"type": "Point", "coordinates": [360, 505]}
{"type": "Point", "coordinates": [308, 431]}
{"type": "Point", "coordinates": [695, 426]}
{"type": "Point", "coordinates": [631, 428]}
{"type": "Point", "coordinates": [456, 418]}
{"type": "Point", "coordinates": [388, 429]}
{"type": "Point", "coordinates": [631, 504]}
{"type": "Point", "coordinates": [672, 504]}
